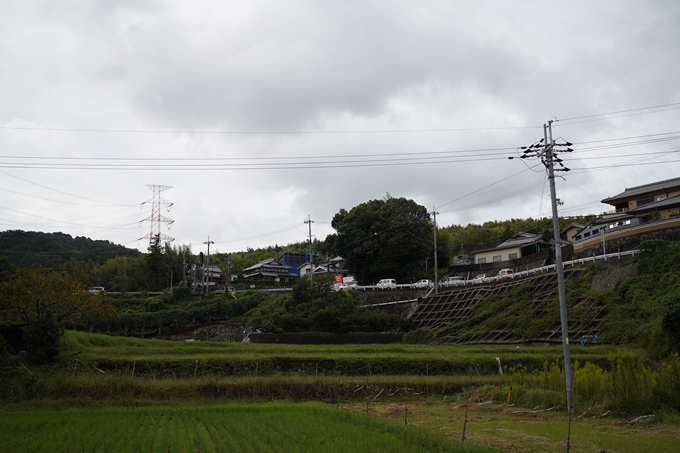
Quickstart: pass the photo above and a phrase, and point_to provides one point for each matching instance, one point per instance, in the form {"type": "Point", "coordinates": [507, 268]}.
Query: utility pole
{"type": "Point", "coordinates": [547, 153]}
{"type": "Point", "coordinates": [207, 267]}
{"type": "Point", "coordinates": [549, 160]}
{"type": "Point", "coordinates": [436, 268]}
{"type": "Point", "coordinates": [311, 258]}
{"type": "Point", "coordinates": [184, 268]}
{"type": "Point", "coordinates": [228, 271]}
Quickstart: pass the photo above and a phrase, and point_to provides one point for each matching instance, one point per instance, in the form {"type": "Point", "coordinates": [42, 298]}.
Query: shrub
{"type": "Point", "coordinates": [42, 339]}
{"type": "Point", "coordinates": [632, 383]}
{"type": "Point", "coordinates": [181, 293]}
{"type": "Point", "coordinates": [667, 392]}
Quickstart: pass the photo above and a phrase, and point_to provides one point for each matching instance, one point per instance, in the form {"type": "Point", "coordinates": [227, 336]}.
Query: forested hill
{"type": "Point", "coordinates": [31, 248]}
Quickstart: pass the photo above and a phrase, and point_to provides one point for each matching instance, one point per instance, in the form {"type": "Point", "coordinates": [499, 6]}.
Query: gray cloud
{"type": "Point", "coordinates": [309, 66]}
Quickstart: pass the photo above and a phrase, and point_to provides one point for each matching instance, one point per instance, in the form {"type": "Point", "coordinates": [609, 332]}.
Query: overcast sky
{"type": "Point", "coordinates": [259, 114]}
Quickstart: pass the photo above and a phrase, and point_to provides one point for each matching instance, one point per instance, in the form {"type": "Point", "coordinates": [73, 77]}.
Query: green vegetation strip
{"type": "Point", "coordinates": [275, 427]}
{"type": "Point", "coordinates": [179, 358]}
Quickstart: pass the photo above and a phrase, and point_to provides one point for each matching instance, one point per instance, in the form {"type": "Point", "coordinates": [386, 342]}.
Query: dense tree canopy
{"type": "Point", "coordinates": [314, 306]}
{"type": "Point", "coordinates": [32, 294]}
{"type": "Point", "coordinates": [389, 238]}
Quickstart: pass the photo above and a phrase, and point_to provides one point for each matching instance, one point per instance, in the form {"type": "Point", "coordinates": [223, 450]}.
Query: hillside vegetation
{"type": "Point", "coordinates": [37, 249]}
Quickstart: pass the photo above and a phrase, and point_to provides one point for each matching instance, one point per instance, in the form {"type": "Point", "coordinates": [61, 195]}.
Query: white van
{"type": "Point", "coordinates": [387, 283]}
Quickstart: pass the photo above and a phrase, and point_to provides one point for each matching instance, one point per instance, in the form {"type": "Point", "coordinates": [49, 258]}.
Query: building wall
{"type": "Point", "coordinates": [629, 239]}
{"type": "Point", "coordinates": [504, 255]}
{"type": "Point", "coordinates": [654, 197]}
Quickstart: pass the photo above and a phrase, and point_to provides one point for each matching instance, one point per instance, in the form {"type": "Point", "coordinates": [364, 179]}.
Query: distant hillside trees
{"type": "Point", "coordinates": [37, 249]}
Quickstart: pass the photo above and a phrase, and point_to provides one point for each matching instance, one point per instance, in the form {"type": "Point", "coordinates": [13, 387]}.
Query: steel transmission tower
{"type": "Point", "coordinates": [156, 218]}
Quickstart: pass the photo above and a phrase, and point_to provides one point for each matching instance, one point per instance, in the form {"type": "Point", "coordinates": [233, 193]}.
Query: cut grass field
{"type": "Point", "coordinates": [274, 427]}
{"type": "Point", "coordinates": [513, 429]}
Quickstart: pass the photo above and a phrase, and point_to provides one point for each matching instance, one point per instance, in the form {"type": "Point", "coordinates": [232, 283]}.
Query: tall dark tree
{"type": "Point", "coordinates": [157, 269]}
{"type": "Point", "coordinates": [388, 238]}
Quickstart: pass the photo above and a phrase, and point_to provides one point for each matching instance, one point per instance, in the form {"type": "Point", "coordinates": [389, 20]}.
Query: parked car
{"type": "Point", "coordinates": [422, 284]}
{"type": "Point", "coordinates": [347, 286]}
{"type": "Point", "coordinates": [452, 281]}
{"type": "Point", "coordinates": [505, 273]}
{"type": "Point", "coordinates": [96, 290]}
{"type": "Point", "coordinates": [482, 278]}
{"type": "Point", "coordinates": [387, 283]}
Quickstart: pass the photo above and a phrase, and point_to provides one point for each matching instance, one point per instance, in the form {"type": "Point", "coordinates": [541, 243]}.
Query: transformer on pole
{"type": "Point", "coordinates": [156, 219]}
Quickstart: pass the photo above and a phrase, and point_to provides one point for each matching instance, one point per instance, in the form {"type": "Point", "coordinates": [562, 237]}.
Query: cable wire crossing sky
{"type": "Point", "coordinates": [261, 115]}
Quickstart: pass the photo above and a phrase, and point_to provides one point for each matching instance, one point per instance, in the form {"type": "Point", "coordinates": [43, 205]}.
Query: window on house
{"type": "Point", "coordinates": [481, 260]}
{"type": "Point", "coordinates": [497, 258]}
{"type": "Point", "coordinates": [644, 201]}
{"type": "Point", "coordinates": [586, 234]}
{"type": "Point", "coordinates": [512, 256]}
{"type": "Point", "coordinates": [660, 197]}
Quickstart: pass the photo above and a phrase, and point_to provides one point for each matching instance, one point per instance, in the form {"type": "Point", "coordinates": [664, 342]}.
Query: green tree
{"type": "Point", "coordinates": [157, 269]}
{"type": "Point", "coordinates": [6, 269]}
{"type": "Point", "coordinates": [122, 273]}
{"type": "Point", "coordinates": [31, 294]}
{"type": "Point", "coordinates": [42, 339]}
{"type": "Point", "coordinates": [671, 320]}
{"type": "Point", "coordinates": [313, 305]}
{"type": "Point", "coordinates": [389, 238]}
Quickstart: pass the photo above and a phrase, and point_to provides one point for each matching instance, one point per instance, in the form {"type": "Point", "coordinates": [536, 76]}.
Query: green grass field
{"type": "Point", "coordinates": [124, 394]}
{"type": "Point", "coordinates": [278, 427]}
{"type": "Point", "coordinates": [386, 358]}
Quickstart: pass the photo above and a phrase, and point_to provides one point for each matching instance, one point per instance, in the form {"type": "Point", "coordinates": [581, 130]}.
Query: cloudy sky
{"type": "Point", "coordinates": [259, 114]}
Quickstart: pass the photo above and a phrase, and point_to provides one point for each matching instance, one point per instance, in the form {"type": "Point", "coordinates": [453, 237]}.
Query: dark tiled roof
{"type": "Point", "coordinates": [518, 240]}
{"type": "Point", "coordinates": [272, 262]}
{"type": "Point", "coordinates": [646, 188]}
{"type": "Point", "coordinates": [522, 239]}
{"type": "Point", "coordinates": [667, 203]}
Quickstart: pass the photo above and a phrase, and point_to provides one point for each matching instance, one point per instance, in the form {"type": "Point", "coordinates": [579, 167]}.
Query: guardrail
{"type": "Point", "coordinates": [548, 268]}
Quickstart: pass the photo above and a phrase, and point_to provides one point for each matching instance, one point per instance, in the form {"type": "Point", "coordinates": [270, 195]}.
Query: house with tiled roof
{"type": "Point", "coordinates": [642, 212]}
{"type": "Point", "coordinates": [642, 196]}
{"type": "Point", "coordinates": [518, 246]}
{"type": "Point", "coordinates": [271, 269]}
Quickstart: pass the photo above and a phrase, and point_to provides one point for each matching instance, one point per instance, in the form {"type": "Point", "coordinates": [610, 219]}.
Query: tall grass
{"type": "Point", "coordinates": [628, 387]}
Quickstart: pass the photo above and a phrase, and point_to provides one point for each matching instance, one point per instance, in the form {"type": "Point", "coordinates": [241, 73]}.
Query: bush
{"type": "Point", "coordinates": [181, 293]}
{"type": "Point", "coordinates": [667, 392]}
{"type": "Point", "coordinates": [42, 340]}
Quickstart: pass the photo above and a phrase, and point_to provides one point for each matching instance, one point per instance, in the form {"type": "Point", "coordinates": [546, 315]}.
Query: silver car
{"type": "Point", "coordinates": [423, 284]}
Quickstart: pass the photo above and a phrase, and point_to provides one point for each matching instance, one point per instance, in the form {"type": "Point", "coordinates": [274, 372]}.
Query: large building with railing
{"type": "Point", "coordinates": [649, 211]}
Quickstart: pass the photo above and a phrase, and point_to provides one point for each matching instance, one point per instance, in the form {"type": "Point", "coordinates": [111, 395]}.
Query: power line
{"type": "Point", "coordinates": [58, 191]}
{"type": "Point", "coordinates": [177, 131]}
{"type": "Point", "coordinates": [621, 111]}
